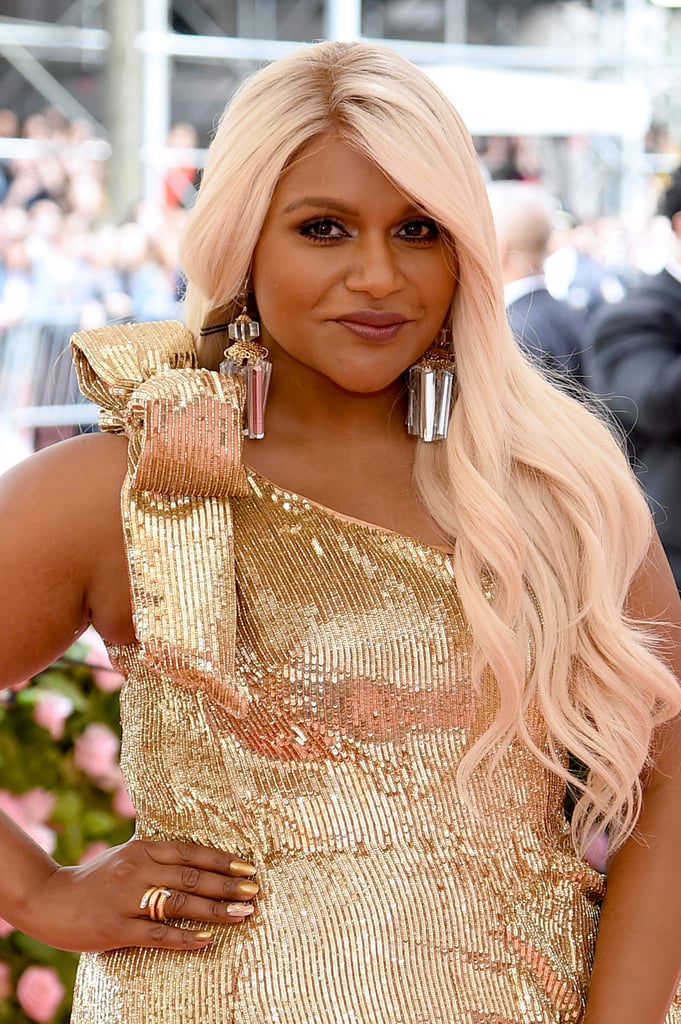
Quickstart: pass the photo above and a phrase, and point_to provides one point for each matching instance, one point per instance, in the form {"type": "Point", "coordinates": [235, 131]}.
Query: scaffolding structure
{"type": "Point", "coordinates": [137, 48]}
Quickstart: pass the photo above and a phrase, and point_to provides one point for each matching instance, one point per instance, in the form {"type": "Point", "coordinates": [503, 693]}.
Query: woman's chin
{"type": "Point", "coordinates": [367, 384]}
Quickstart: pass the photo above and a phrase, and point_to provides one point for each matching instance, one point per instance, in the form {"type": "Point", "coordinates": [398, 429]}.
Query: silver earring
{"type": "Point", "coordinates": [431, 387]}
{"type": "Point", "coordinates": [247, 359]}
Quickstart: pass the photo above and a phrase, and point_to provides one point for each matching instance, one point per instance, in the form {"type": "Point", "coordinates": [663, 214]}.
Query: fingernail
{"type": "Point", "coordinates": [245, 889]}
{"type": "Point", "coordinates": [240, 909]}
{"type": "Point", "coordinates": [203, 936]}
{"type": "Point", "coordinates": [240, 867]}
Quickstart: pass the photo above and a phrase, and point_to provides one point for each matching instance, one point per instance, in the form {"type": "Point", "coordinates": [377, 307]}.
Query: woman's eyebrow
{"type": "Point", "coordinates": [323, 201]}
{"type": "Point", "coordinates": [327, 203]}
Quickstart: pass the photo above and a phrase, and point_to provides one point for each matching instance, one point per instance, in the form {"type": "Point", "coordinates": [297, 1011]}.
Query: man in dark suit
{"type": "Point", "coordinates": [550, 330]}
{"type": "Point", "coordinates": [636, 354]}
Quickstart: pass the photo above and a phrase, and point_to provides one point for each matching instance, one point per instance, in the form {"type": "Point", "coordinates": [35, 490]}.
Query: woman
{"type": "Point", "coordinates": [308, 712]}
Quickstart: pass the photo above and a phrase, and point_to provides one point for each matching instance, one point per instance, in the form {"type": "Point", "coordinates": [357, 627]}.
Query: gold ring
{"type": "Point", "coordinates": [157, 905]}
{"type": "Point", "coordinates": [144, 902]}
{"type": "Point", "coordinates": [155, 900]}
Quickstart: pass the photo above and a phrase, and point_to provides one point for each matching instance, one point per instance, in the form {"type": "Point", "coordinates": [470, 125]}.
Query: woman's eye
{"type": "Point", "coordinates": [419, 230]}
{"type": "Point", "coordinates": [323, 229]}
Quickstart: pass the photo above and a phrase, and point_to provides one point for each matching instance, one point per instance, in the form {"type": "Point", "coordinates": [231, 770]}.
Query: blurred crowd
{"type": "Point", "coordinates": [61, 256]}
{"type": "Point", "coordinates": [65, 260]}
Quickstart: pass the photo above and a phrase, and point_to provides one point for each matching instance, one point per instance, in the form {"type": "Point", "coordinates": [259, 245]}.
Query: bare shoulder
{"type": "Point", "coordinates": [62, 557]}
{"type": "Point", "coordinates": [77, 461]}
{"type": "Point", "coordinates": [70, 488]}
{"type": "Point", "coordinates": [653, 594]}
{"type": "Point", "coordinates": [654, 599]}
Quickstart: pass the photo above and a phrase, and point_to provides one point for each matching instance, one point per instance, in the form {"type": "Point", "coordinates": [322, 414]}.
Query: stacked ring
{"type": "Point", "coordinates": [155, 899]}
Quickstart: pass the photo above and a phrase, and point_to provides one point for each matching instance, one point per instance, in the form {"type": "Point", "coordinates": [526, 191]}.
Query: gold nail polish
{"type": "Point", "coordinates": [243, 890]}
{"type": "Point", "coordinates": [240, 867]}
{"type": "Point", "coordinates": [203, 936]}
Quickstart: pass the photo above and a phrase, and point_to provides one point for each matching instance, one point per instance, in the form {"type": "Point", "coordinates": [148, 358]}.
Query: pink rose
{"type": "Point", "coordinates": [42, 835]}
{"type": "Point", "coordinates": [30, 810]}
{"type": "Point", "coordinates": [40, 993]}
{"type": "Point", "coordinates": [37, 804]}
{"type": "Point", "coordinates": [11, 805]}
{"type": "Point", "coordinates": [96, 754]}
{"type": "Point", "coordinates": [6, 987]}
{"type": "Point", "coordinates": [51, 711]}
{"type": "Point", "coordinates": [93, 850]}
{"type": "Point", "coordinates": [106, 677]}
{"type": "Point", "coordinates": [122, 803]}
{"type": "Point", "coordinates": [5, 928]}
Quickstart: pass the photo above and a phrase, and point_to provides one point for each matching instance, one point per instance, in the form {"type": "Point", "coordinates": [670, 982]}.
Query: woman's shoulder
{"type": "Point", "coordinates": [62, 555]}
{"type": "Point", "coordinates": [67, 494]}
{"type": "Point", "coordinates": [81, 466]}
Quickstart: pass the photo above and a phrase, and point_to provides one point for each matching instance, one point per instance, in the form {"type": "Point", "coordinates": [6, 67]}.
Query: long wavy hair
{"type": "Point", "coordinates": [531, 484]}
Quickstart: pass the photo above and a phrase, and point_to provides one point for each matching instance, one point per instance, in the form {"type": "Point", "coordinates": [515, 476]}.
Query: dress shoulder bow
{"type": "Point", "coordinates": [184, 429]}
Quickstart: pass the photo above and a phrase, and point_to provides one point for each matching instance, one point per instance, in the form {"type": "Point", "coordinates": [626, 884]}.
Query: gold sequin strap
{"type": "Point", "coordinates": [184, 427]}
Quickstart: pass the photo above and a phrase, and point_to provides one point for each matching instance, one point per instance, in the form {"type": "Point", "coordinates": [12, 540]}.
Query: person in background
{"type": "Point", "coordinates": [9, 129]}
{"type": "Point", "coordinates": [549, 330]}
{"type": "Point", "coordinates": [577, 271]}
{"type": "Point", "coordinates": [180, 181]}
{"type": "Point", "coordinates": [636, 366]}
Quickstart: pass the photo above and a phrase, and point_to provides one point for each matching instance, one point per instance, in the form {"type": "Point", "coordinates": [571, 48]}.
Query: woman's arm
{"type": "Point", "coordinates": [62, 565]}
{"type": "Point", "coordinates": [637, 965]}
{"type": "Point", "coordinates": [62, 557]}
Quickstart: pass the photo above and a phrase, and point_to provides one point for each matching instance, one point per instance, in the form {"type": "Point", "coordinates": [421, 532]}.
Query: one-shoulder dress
{"type": "Point", "coordinates": [331, 764]}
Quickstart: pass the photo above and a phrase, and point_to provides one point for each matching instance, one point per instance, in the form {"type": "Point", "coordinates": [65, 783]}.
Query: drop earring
{"type": "Point", "coordinates": [247, 359]}
{"type": "Point", "coordinates": [431, 386]}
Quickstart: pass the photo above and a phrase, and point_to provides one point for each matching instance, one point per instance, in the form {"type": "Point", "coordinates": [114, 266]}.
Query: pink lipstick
{"type": "Point", "coordinates": [373, 325]}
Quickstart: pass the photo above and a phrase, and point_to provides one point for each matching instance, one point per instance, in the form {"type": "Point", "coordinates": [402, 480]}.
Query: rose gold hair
{"type": "Point", "coordinates": [531, 485]}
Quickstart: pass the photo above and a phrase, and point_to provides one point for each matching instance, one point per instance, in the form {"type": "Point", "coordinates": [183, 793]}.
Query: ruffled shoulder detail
{"type": "Point", "coordinates": [112, 361]}
{"type": "Point", "coordinates": [184, 427]}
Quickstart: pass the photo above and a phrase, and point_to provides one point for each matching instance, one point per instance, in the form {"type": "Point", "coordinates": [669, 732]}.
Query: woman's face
{"type": "Point", "coordinates": [351, 280]}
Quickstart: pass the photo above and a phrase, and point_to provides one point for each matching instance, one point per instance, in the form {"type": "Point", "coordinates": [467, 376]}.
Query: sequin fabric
{"type": "Point", "coordinates": [385, 898]}
{"type": "Point", "coordinates": [184, 430]}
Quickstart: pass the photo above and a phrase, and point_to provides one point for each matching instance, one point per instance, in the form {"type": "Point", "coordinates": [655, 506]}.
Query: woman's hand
{"type": "Point", "coordinates": [101, 904]}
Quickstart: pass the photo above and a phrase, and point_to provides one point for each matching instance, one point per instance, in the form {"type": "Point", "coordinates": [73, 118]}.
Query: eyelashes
{"type": "Point", "coordinates": [419, 229]}
{"type": "Point", "coordinates": [330, 230]}
{"type": "Point", "coordinates": [323, 229]}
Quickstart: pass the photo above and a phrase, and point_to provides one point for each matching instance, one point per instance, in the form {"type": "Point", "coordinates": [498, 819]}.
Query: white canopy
{"type": "Point", "coordinates": [493, 102]}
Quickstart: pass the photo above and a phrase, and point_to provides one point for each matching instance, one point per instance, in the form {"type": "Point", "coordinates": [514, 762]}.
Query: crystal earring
{"type": "Point", "coordinates": [247, 359]}
{"type": "Point", "coordinates": [431, 385]}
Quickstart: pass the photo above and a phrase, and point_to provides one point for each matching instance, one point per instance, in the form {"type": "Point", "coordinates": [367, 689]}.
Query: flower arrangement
{"type": "Point", "coordinates": [60, 780]}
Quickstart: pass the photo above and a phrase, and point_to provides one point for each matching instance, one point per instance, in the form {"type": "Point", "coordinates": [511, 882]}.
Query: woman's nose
{"type": "Point", "coordinates": [374, 269]}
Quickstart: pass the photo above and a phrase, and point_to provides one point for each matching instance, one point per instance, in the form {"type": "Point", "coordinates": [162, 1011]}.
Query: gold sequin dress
{"type": "Point", "coordinates": [329, 759]}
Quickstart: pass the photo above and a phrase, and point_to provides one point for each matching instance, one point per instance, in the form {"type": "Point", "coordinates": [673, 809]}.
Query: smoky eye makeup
{"type": "Point", "coordinates": [323, 229]}
{"type": "Point", "coordinates": [327, 229]}
{"type": "Point", "coordinates": [419, 229]}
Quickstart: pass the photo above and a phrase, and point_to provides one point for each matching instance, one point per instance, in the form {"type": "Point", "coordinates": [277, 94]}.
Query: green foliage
{"type": "Point", "coordinates": [80, 809]}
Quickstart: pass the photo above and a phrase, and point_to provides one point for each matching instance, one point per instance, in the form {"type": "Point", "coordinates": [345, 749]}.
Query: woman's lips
{"type": "Point", "coordinates": [373, 326]}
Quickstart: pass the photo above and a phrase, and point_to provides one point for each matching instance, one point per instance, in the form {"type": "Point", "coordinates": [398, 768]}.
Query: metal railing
{"type": "Point", "coordinates": [38, 387]}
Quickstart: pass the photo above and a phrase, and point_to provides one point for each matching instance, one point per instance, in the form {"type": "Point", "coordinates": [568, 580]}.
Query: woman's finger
{"type": "Point", "coordinates": [205, 858]}
{"type": "Point", "coordinates": [173, 888]}
{"type": "Point", "coordinates": [194, 908]}
{"type": "Point", "coordinates": [158, 935]}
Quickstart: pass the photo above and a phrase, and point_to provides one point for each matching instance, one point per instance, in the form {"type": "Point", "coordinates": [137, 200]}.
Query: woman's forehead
{"type": "Point", "coordinates": [333, 167]}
